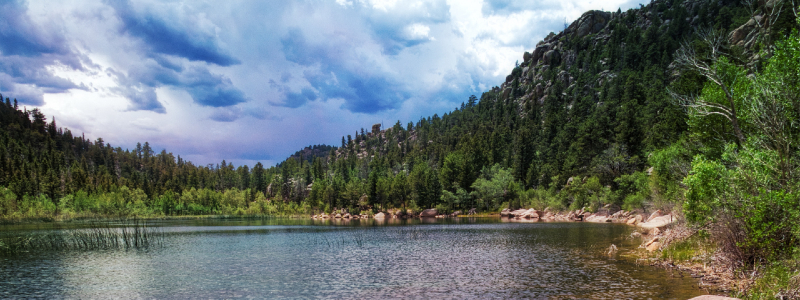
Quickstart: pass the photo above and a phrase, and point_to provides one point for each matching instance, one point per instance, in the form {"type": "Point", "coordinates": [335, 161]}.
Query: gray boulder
{"type": "Point", "coordinates": [429, 213]}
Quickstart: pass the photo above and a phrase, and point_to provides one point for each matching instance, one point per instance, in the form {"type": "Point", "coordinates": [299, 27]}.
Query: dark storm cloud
{"type": "Point", "coordinates": [205, 88]}
{"type": "Point", "coordinates": [167, 37]}
{"type": "Point", "coordinates": [20, 36]}
{"type": "Point", "coordinates": [166, 46]}
{"type": "Point", "coordinates": [26, 49]}
{"type": "Point", "coordinates": [142, 98]}
{"type": "Point", "coordinates": [336, 75]}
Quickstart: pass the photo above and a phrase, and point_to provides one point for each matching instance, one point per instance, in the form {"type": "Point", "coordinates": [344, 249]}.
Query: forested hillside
{"type": "Point", "coordinates": [621, 108]}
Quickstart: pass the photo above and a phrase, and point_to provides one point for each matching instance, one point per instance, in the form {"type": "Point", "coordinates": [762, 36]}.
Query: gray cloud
{"type": "Point", "coordinates": [27, 50]}
{"type": "Point", "coordinates": [336, 75]}
{"type": "Point", "coordinates": [390, 29]}
{"type": "Point", "coordinates": [20, 36]}
{"type": "Point", "coordinates": [165, 35]}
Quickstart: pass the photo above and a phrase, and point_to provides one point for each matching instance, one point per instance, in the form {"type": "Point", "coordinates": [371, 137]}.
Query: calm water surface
{"type": "Point", "coordinates": [279, 258]}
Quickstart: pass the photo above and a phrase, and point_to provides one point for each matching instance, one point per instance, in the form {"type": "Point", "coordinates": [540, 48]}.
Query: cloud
{"type": "Point", "coordinates": [205, 88]}
{"type": "Point", "coordinates": [507, 7]}
{"type": "Point", "coordinates": [397, 27]}
{"type": "Point", "coordinates": [336, 72]}
{"type": "Point", "coordinates": [28, 50]}
{"type": "Point", "coordinates": [141, 98]}
{"type": "Point", "coordinates": [226, 114]}
{"type": "Point", "coordinates": [174, 32]}
{"type": "Point", "coordinates": [20, 36]}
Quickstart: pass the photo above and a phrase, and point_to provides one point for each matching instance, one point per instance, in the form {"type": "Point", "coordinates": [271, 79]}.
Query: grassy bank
{"type": "Point", "coordinates": [703, 254]}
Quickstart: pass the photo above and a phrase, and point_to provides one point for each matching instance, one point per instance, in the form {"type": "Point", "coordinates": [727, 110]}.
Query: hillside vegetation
{"type": "Point", "coordinates": [691, 106]}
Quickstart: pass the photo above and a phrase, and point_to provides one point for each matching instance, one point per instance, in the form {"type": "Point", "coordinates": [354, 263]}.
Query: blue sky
{"type": "Point", "coordinates": [249, 81]}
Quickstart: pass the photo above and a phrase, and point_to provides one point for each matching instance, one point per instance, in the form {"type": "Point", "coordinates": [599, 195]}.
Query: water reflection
{"type": "Point", "coordinates": [364, 258]}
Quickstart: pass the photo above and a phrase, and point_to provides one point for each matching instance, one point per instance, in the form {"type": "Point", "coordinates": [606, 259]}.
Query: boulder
{"type": "Point", "coordinates": [632, 221]}
{"type": "Point", "coordinates": [338, 216]}
{"type": "Point", "coordinates": [590, 22]}
{"type": "Point", "coordinates": [346, 216]}
{"type": "Point", "coordinates": [429, 213]}
{"type": "Point", "coordinates": [455, 213]}
{"type": "Point", "coordinates": [530, 214]}
{"type": "Point", "coordinates": [539, 52]}
{"type": "Point", "coordinates": [505, 212]}
{"type": "Point", "coordinates": [653, 246]}
{"type": "Point", "coordinates": [713, 297]}
{"type": "Point", "coordinates": [653, 240]}
{"type": "Point", "coordinates": [657, 222]}
{"type": "Point", "coordinates": [380, 215]}
{"type": "Point", "coordinates": [655, 231]}
{"type": "Point", "coordinates": [744, 35]}
{"type": "Point", "coordinates": [552, 57]}
{"type": "Point", "coordinates": [517, 213]}
{"type": "Point", "coordinates": [654, 215]}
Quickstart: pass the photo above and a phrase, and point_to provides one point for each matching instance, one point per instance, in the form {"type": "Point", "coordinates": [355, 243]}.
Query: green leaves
{"type": "Point", "coordinates": [707, 183]}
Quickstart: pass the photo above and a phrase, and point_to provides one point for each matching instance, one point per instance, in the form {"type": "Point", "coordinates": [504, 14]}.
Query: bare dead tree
{"type": "Point", "coordinates": [765, 22]}
{"type": "Point", "coordinates": [688, 58]}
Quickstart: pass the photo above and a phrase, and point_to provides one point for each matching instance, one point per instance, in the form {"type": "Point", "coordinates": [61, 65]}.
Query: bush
{"type": "Point", "coordinates": [8, 202]}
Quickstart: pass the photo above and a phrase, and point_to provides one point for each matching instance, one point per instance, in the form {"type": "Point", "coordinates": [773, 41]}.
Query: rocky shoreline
{"type": "Point", "coordinates": [651, 225]}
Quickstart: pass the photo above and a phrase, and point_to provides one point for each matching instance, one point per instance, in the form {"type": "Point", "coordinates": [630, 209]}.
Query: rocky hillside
{"type": "Point", "coordinates": [590, 100]}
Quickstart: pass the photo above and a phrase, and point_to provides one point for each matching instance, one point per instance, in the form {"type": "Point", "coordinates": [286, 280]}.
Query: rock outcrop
{"type": "Point", "coordinates": [656, 222]}
{"type": "Point", "coordinates": [429, 213]}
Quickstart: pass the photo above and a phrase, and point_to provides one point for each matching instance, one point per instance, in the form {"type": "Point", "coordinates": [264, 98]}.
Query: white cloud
{"type": "Point", "coordinates": [418, 32]}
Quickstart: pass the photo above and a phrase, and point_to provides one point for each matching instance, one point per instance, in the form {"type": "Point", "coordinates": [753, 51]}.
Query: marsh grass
{"type": "Point", "coordinates": [131, 234]}
{"type": "Point", "coordinates": [697, 248]}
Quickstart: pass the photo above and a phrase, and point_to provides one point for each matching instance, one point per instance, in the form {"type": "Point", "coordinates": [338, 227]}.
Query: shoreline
{"type": "Point", "coordinates": [656, 233]}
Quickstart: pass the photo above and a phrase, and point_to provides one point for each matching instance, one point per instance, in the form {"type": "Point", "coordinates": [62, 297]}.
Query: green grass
{"type": "Point", "coordinates": [697, 248]}
{"type": "Point", "coordinates": [779, 280]}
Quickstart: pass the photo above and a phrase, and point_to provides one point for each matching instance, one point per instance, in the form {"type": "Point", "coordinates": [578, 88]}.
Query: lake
{"type": "Point", "coordinates": [289, 258]}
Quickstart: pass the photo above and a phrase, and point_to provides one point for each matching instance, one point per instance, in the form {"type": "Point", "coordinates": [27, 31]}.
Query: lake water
{"type": "Point", "coordinates": [282, 258]}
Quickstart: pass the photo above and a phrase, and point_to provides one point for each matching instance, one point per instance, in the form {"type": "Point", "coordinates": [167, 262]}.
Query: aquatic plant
{"type": "Point", "coordinates": [132, 234]}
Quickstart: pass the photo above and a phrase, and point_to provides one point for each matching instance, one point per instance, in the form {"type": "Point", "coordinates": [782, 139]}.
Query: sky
{"type": "Point", "coordinates": [249, 81]}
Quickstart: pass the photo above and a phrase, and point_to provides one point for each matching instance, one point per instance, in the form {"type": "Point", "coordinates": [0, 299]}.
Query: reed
{"type": "Point", "coordinates": [132, 234]}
